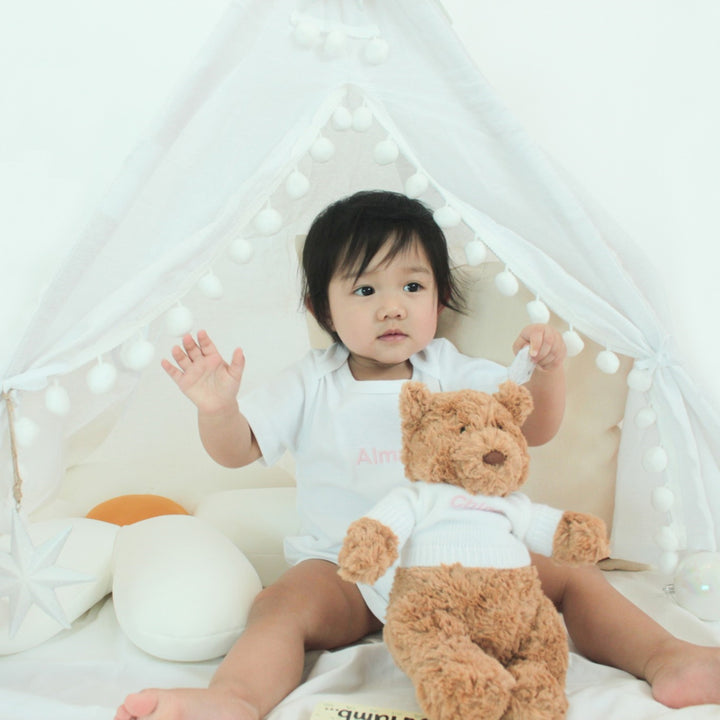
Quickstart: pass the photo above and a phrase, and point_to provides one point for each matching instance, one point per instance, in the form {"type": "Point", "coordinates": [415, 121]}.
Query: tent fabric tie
{"type": "Point", "coordinates": [17, 480]}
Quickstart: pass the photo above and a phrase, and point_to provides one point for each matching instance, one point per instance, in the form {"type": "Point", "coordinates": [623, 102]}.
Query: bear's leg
{"type": "Point", "coordinates": [453, 677]}
{"type": "Point", "coordinates": [537, 695]}
{"type": "Point", "coordinates": [539, 668]}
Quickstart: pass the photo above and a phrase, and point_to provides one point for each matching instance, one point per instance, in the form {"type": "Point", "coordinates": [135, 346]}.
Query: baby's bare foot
{"type": "Point", "coordinates": [682, 674]}
{"type": "Point", "coordinates": [185, 704]}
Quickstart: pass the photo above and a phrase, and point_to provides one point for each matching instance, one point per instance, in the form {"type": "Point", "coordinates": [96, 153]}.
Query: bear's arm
{"type": "Point", "coordinates": [568, 537]}
{"type": "Point", "coordinates": [367, 552]}
{"type": "Point", "coordinates": [580, 538]}
{"type": "Point", "coordinates": [373, 543]}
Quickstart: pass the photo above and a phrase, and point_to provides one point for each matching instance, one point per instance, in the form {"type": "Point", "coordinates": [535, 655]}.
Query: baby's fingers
{"type": "Point", "coordinates": [532, 335]}
{"type": "Point", "coordinates": [237, 364]}
{"type": "Point", "coordinates": [546, 346]}
{"type": "Point", "coordinates": [180, 357]}
{"type": "Point", "coordinates": [192, 349]}
{"type": "Point", "coordinates": [171, 370]}
{"type": "Point", "coordinates": [206, 345]}
{"type": "Point", "coordinates": [540, 349]}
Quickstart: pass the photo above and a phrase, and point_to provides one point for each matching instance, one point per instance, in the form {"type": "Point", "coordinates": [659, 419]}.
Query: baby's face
{"type": "Point", "coordinates": [387, 314]}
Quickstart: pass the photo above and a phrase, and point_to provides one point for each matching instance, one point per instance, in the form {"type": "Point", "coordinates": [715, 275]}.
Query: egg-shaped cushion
{"type": "Point", "coordinates": [181, 589]}
{"type": "Point", "coordinates": [128, 509]}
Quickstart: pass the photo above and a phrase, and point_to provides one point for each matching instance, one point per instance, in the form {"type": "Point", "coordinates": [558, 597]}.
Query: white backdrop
{"type": "Point", "coordinates": [620, 94]}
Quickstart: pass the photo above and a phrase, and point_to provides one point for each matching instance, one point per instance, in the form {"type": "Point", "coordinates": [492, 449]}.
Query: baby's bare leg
{"type": "Point", "coordinates": [310, 607]}
{"type": "Point", "coordinates": [607, 628]}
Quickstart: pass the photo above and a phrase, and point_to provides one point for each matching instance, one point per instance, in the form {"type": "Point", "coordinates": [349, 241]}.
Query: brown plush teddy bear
{"type": "Point", "coordinates": [467, 619]}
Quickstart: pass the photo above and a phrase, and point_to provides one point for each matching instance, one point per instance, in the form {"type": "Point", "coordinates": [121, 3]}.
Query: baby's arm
{"type": "Point", "coordinates": [547, 384]}
{"type": "Point", "coordinates": [212, 385]}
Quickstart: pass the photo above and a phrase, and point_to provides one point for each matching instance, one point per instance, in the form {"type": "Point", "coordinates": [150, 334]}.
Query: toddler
{"type": "Point", "coordinates": [376, 277]}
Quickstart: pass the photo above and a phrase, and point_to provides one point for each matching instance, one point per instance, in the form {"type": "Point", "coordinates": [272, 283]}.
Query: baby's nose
{"type": "Point", "coordinates": [494, 457]}
{"type": "Point", "coordinates": [392, 310]}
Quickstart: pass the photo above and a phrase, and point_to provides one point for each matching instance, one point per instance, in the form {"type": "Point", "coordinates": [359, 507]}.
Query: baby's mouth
{"type": "Point", "coordinates": [393, 335]}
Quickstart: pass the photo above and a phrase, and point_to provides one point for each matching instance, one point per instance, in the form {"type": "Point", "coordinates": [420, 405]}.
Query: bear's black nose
{"type": "Point", "coordinates": [494, 457]}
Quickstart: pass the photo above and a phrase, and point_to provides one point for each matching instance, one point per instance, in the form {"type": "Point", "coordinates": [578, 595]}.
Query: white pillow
{"type": "Point", "coordinates": [87, 550]}
{"type": "Point", "coordinates": [257, 521]}
{"type": "Point", "coordinates": [181, 589]}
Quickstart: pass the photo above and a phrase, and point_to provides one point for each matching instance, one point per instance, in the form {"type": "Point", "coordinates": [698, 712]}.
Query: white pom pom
{"type": "Point", "coordinates": [640, 380]}
{"type": "Point", "coordinates": [416, 185]}
{"type": "Point", "coordinates": [334, 44]}
{"type": "Point", "coordinates": [655, 459]}
{"type": "Point", "coordinates": [241, 251]}
{"type": "Point", "coordinates": [137, 354]}
{"type": "Point", "coordinates": [447, 217]}
{"type": "Point", "coordinates": [362, 119]}
{"type": "Point", "coordinates": [573, 343]}
{"type": "Point", "coordinates": [296, 185]}
{"type": "Point", "coordinates": [386, 152]}
{"type": "Point", "coordinates": [101, 378]}
{"type": "Point", "coordinates": [210, 286]}
{"type": "Point", "coordinates": [57, 400]}
{"type": "Point", "coordinates": [307, 34]}
{"type": "Point", "coordinates": [663, 499]}
{"type": "Point", "coordinates": [537, 311]}
{"type": "Point", "coordinates": [608, 362]}
{"type": "Point", "coordinates": [342, 118]}
{"type": "Point", "coordinates": [178, 321]}
{"type": "Point", "coordinates": [268, 221]}
{"type": "Point", "coordinates": [475, 252]}
{"type": "Point", "coordinates": [506, 283]}
{"type": "Point", "coordinates": [666, 539]}
{"type": "Point", "coordinates": [645, 418]}
{"type": "Point", "coordinates": [322, 150]}
{"type": "Point", "coordinates": [376, 51]}
{"type": "Point", "coordinates": [668, 562]}
{"type": "Point", "coordinates": [26, 431]}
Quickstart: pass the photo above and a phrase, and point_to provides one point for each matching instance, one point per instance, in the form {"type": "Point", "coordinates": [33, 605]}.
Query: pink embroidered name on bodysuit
{"type": "Point", "coordinates": [375, 456]}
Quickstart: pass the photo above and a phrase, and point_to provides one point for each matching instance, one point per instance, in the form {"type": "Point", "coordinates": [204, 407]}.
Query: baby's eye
{"type": "Point", "coordinates": [363, 291]}
{"type": "Point", "coordinates": [413, 287]}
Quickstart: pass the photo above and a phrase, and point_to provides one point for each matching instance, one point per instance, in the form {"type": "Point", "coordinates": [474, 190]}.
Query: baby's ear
{"type": "Point", "coordinates": [329, 327]}
{"type": "Point", "coordinates": [415, 399]}
{"type": "Point", "coordinates": [517, 399]}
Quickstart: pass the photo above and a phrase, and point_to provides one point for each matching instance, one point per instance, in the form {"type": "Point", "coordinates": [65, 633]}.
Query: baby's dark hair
{"type": "Point", "coordinates": [348, 234]}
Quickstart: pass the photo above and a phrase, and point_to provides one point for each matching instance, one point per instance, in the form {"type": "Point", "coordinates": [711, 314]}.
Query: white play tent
{"type": "Point", "coordinates": [214, 169]}
{"type": "Point", "coordinates": [290, 105]}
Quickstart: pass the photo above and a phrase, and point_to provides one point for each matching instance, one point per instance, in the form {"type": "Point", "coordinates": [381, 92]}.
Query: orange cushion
{"type": "Point", "coordinates": [129, 509]}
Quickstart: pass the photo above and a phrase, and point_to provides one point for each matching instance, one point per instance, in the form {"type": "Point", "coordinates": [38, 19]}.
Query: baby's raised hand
{"type": "Point", "coordinates": [203, 376]}
{"type": "Point", "coordinates": [547, 347]}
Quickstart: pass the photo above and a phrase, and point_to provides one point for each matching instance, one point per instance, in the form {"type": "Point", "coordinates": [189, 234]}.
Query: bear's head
{"type": "Point", "coordinates": [466, 438]}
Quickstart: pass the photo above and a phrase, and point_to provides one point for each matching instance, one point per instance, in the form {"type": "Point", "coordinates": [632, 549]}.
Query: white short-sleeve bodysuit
{"type": "Point", "coordinates": [345, 437]}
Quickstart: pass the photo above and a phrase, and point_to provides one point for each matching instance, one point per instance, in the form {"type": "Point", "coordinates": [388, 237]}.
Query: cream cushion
{"type": "Point", "coordinates": [256, 520]}
{"type": "Point", "coordinates": [577, 469]}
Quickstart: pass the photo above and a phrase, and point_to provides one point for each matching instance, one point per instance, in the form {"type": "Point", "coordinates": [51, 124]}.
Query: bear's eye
{"type": "Point", "coordinates": [463, 429]}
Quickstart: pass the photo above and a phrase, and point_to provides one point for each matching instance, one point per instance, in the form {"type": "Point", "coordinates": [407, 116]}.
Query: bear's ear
{"type": "Point", "coordinates": [517, 399]}
{"type": "Point", "coordinates": [415, 399]}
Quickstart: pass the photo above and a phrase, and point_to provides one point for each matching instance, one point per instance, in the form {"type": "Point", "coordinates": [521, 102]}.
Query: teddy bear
{"type": "Point", "coordinates": [467, 619]}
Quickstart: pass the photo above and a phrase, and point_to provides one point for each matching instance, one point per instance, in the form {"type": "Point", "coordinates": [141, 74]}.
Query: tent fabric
{"type": "Point", "coordinates": [251, 110]}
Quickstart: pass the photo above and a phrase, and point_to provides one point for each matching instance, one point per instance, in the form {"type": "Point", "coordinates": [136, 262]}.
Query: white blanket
{"type": "Point", "coordinates": [84, 673]}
